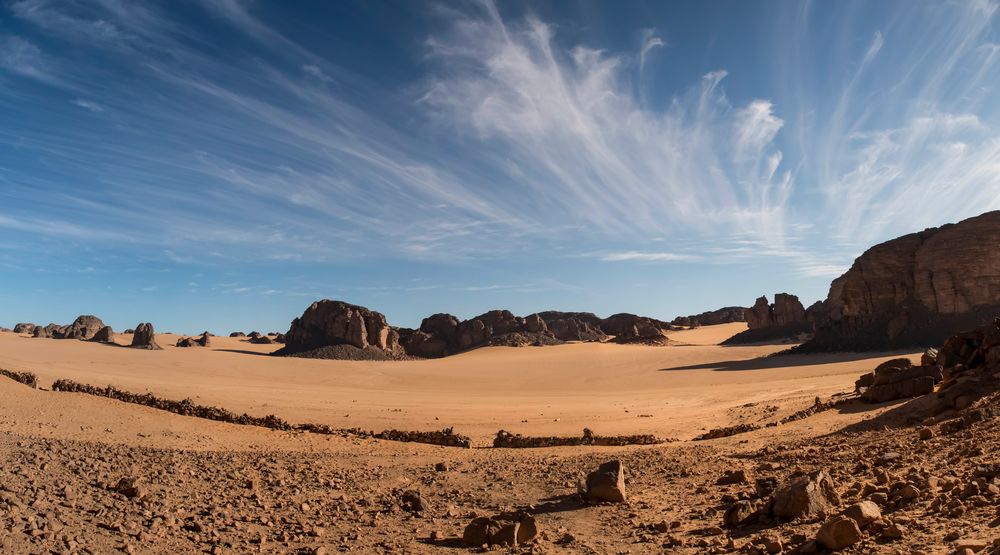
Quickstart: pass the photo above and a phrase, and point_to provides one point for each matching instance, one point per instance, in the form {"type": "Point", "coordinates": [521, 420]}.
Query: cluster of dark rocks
{"type": "Point", "coordinates": [84, 327]}
{"type": "Point", "coordinates": [785, 319]}
{"type": "Point", "coordinates": [507, 440]}
{"type": "Point", "coordinates": [962, 370]}
{"type": "Point", "coordinates": [23, 327]}
{"type": "Point", "coordinates": [27, 378]}
{"type": "Point", "coordinates": [335, 329]}
{"type": "Point", "coordinates": [725, 315]}
{"type": "Point", "coordinates": [204, 340]}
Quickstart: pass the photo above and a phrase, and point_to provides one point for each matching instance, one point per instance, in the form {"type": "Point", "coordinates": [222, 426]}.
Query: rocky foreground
{"type": "Point", "coordinates": [926, 488]}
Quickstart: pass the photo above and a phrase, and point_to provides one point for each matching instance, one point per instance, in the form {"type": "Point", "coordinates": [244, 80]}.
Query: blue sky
{"type": "Point", "coordinates": [221, 163]}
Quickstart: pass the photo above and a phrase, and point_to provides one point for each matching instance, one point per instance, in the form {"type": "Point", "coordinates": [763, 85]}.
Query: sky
{"type": "Point", "coordinates": [220, 164]}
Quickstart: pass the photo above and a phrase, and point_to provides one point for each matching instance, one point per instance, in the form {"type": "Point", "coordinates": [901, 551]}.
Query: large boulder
{"type": "Point", "coordinates": [629, 328]}
{"type": "Point", "coordinates": [607, 483]}
{"type": "Point", "coordinates": [204, 340]}
{"type": "Point", "coordinates": [84, 327]}
{"type": "Point", "coordinates": [914, 290]}
{"type": "Point", "coordinates": [329, 323]}
{"type": "Point", "coordinates": [237, 334]}
{"type": "Point", "coordinates": [104, 335]}
{"type": "Point", "coordinates": [806, 496]}
{"type": "Point", "coordinates": [145, 338]}
{"type": "Point", "coordinates": [24, 328]}
{"type": "Point", "coordinates": [41, 332]}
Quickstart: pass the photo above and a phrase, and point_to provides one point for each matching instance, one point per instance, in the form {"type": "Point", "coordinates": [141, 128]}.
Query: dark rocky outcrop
{"type": "Point", "coordinates": [84, 327]}
{"type": "Point", "coordinates": [785, 319]}
{"type": "Point", "coordinates": [104, 335]}
{"type": "Point", "coordinates": [443, 334]}
{"type": "Point", "coordinates": [24, 328]}
{"type": "Point", "coordinates": [573, 326]}
{"type": "Point", "coordinates": [41, 332]}
{"type": "Point", "coordinates": [261, 340]}
{"type": "Point", "coordinates": [329, 323]}
{"type": "Point", "coordinates": [145, 338]}
{"type": "Point", "coordinates": [204, 340]}
{"type": "Point", "coordinates": [725, 315]}
{"type": "Point", "coordinates": [914, 290]}
{"type": "Point", "coordinates": [629, 328]}
{"type": "Point", "coordinates": [237, 334]}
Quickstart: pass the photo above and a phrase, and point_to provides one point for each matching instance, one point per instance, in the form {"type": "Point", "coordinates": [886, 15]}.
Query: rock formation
{"type": "Point", "coordinates": [104, 335]}
{"type": "Point", "coordinates": [145, 338]}
{"type": "Point", "coordinates": [204, 340]}
{"type": "Point", "coordinates": [237, 334]}
{"type": "Point", "coordinates": [725, 315]}
{"type": "Point", "coordinates": [24, 328]}
{"type": "Point", "coordinates": [329, 323]}
{"type": "Point", "coordinates": [573, 326]}
{"type": "Point", "coordinates": [443, 334]}
{"type": "Point", "coordinates": [84, 327]}
{"type": "Point", "coordinates": [784, 319]}
{"type": "Point", "coordinates": [43, 332]}
{"type": "Point", "coordinates": [607, 483]}
{"type": "Point", "coordinates": [914, 290]}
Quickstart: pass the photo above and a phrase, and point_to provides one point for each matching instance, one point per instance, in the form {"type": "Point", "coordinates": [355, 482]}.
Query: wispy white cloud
{"type": "Point", "coordinates": [647, 256]}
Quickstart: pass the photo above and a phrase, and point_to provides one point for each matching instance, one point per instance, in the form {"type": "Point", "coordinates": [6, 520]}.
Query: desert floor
{"type": "Point", "coordinates": [214, 487]}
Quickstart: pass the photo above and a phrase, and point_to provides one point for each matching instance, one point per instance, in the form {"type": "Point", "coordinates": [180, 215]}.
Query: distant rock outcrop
{"type": "Point", "coordinates": [204, 340]}
{"type": "Point", "coordinates": [145, 338]}
{"type": "Point", "coordinates": [24, 328]}
{"type": "Point", "coordinates": [725, 315]}
{"type": "Point", "coordinates": [574, 326]}
{"type": "Point", "coordinates": [443, 334]}
{"type": "Point", "coordinates": [329, 323]}
{"type": "Point", "coordinates": [84, 327]}
{"type": "Point", "coordinates": [104, 335]}
{"type": "Point", "coordinates": [914, 290]}
{"type": "Point", "coordinates": [237, 334]}
{"type": "Point", "coordinates": [784, 319]}
{"type": "Point", "coordinates": [629, 328]}
{"type": "Point", "coordinates": [41, 332]}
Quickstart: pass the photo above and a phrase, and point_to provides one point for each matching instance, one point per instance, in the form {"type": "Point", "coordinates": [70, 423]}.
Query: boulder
{"type": "Point", "coordinates": [145, 338]}
{"type": "Point", "coordinates": [326, 323]}
{"type": "Point", "coordinates": [237, 334]}
{"type": "Point", "coordinates": [204, 340]}
{"type": "Point", "coordinates": [104, 335]}
{"type": "Point", "coordinates": [806, 496]}
{"type": "Point", "coordinates": [24, 328]}
{"type": "Point", "coordinates": [838, 532]}
{"type": "Point", "coordinates": [864, 513]}
{"type": "Point", "coordinates": [84, 327]}
{"type": "Point", "coordinates": [629, 328]}
{"type": "Point", "coordinates": [739, 514]}
{"type": "Point", "coordinates": [915, 290]}
{"type": "Point", "coordinates": [607, 483]}
{"type": "Point", "coordinates": [261, 340]}
{"type": "Point", "coordinates": [501, 530]}
{"type": "Point", "coordinates": [41, 332]}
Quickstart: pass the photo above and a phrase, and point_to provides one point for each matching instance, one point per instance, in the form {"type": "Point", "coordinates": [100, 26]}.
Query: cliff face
{"type": "Point", "coordinates": [915, 290]}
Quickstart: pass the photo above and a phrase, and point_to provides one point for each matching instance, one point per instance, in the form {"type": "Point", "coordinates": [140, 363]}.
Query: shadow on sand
{"type": "Point", "coordinates": [784, 361]}
{"type": "Point", "coordinates": [243, 352]}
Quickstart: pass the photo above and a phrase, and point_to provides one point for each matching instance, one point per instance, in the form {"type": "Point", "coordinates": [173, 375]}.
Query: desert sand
{"type": "Point", "coordinates": [223, 488]}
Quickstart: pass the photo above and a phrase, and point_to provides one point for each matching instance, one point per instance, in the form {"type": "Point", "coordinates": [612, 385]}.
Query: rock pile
{"type": "Point", "coordinates": [84, 327]}
{"type": "Point", "coordinates": [27, 378]}
{"type": "Point", "coordinates": [914, 290]}
{"type": "Point", "coordinates": [785, 318]}
{"type": "Point", "coordinates": [573, 326]}
{"type": "Point", "coordinates": [507, 440]}
{"type": "Point", "coordinates": [145, 338]}
{"type": "Point", "coordinates": [725, 315]}
{"type": "Point", "coordinates": [204, 340]}
{"type": "Point", "coordinates": [24, 328]}
{"type": "Point", "coordinates": [963, 370]}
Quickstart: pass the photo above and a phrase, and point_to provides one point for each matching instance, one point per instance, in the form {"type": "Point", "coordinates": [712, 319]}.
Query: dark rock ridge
{"type": "Point", "coordinates": [784, 319]}
{"type": "Point", "coordinates": [914, 290]}
{"type": "Point", "coordinates": [725, 315]}
{"type": "Point", "coordinates": [335, 329]}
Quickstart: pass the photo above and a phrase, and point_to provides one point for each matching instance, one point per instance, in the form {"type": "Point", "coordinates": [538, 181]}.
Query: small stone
{"type": "Point", "coordinates": [925, 433]}
{"type": "Point", "coordinates": [607, 483]}
{"type": "Point", "coordinates": [441, 467]}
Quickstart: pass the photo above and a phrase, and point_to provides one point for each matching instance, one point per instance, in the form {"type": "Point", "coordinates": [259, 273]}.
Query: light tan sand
{"type": "Point", "coordinates": [676, 391]}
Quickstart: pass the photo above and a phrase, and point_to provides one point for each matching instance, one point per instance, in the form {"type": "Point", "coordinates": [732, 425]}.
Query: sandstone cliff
{"type": "Point", "coordinates": [914, 290]}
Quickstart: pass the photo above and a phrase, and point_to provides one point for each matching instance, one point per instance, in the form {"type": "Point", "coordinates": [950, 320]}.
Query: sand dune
{"type": "Point", "coordinates": [677, 391]}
